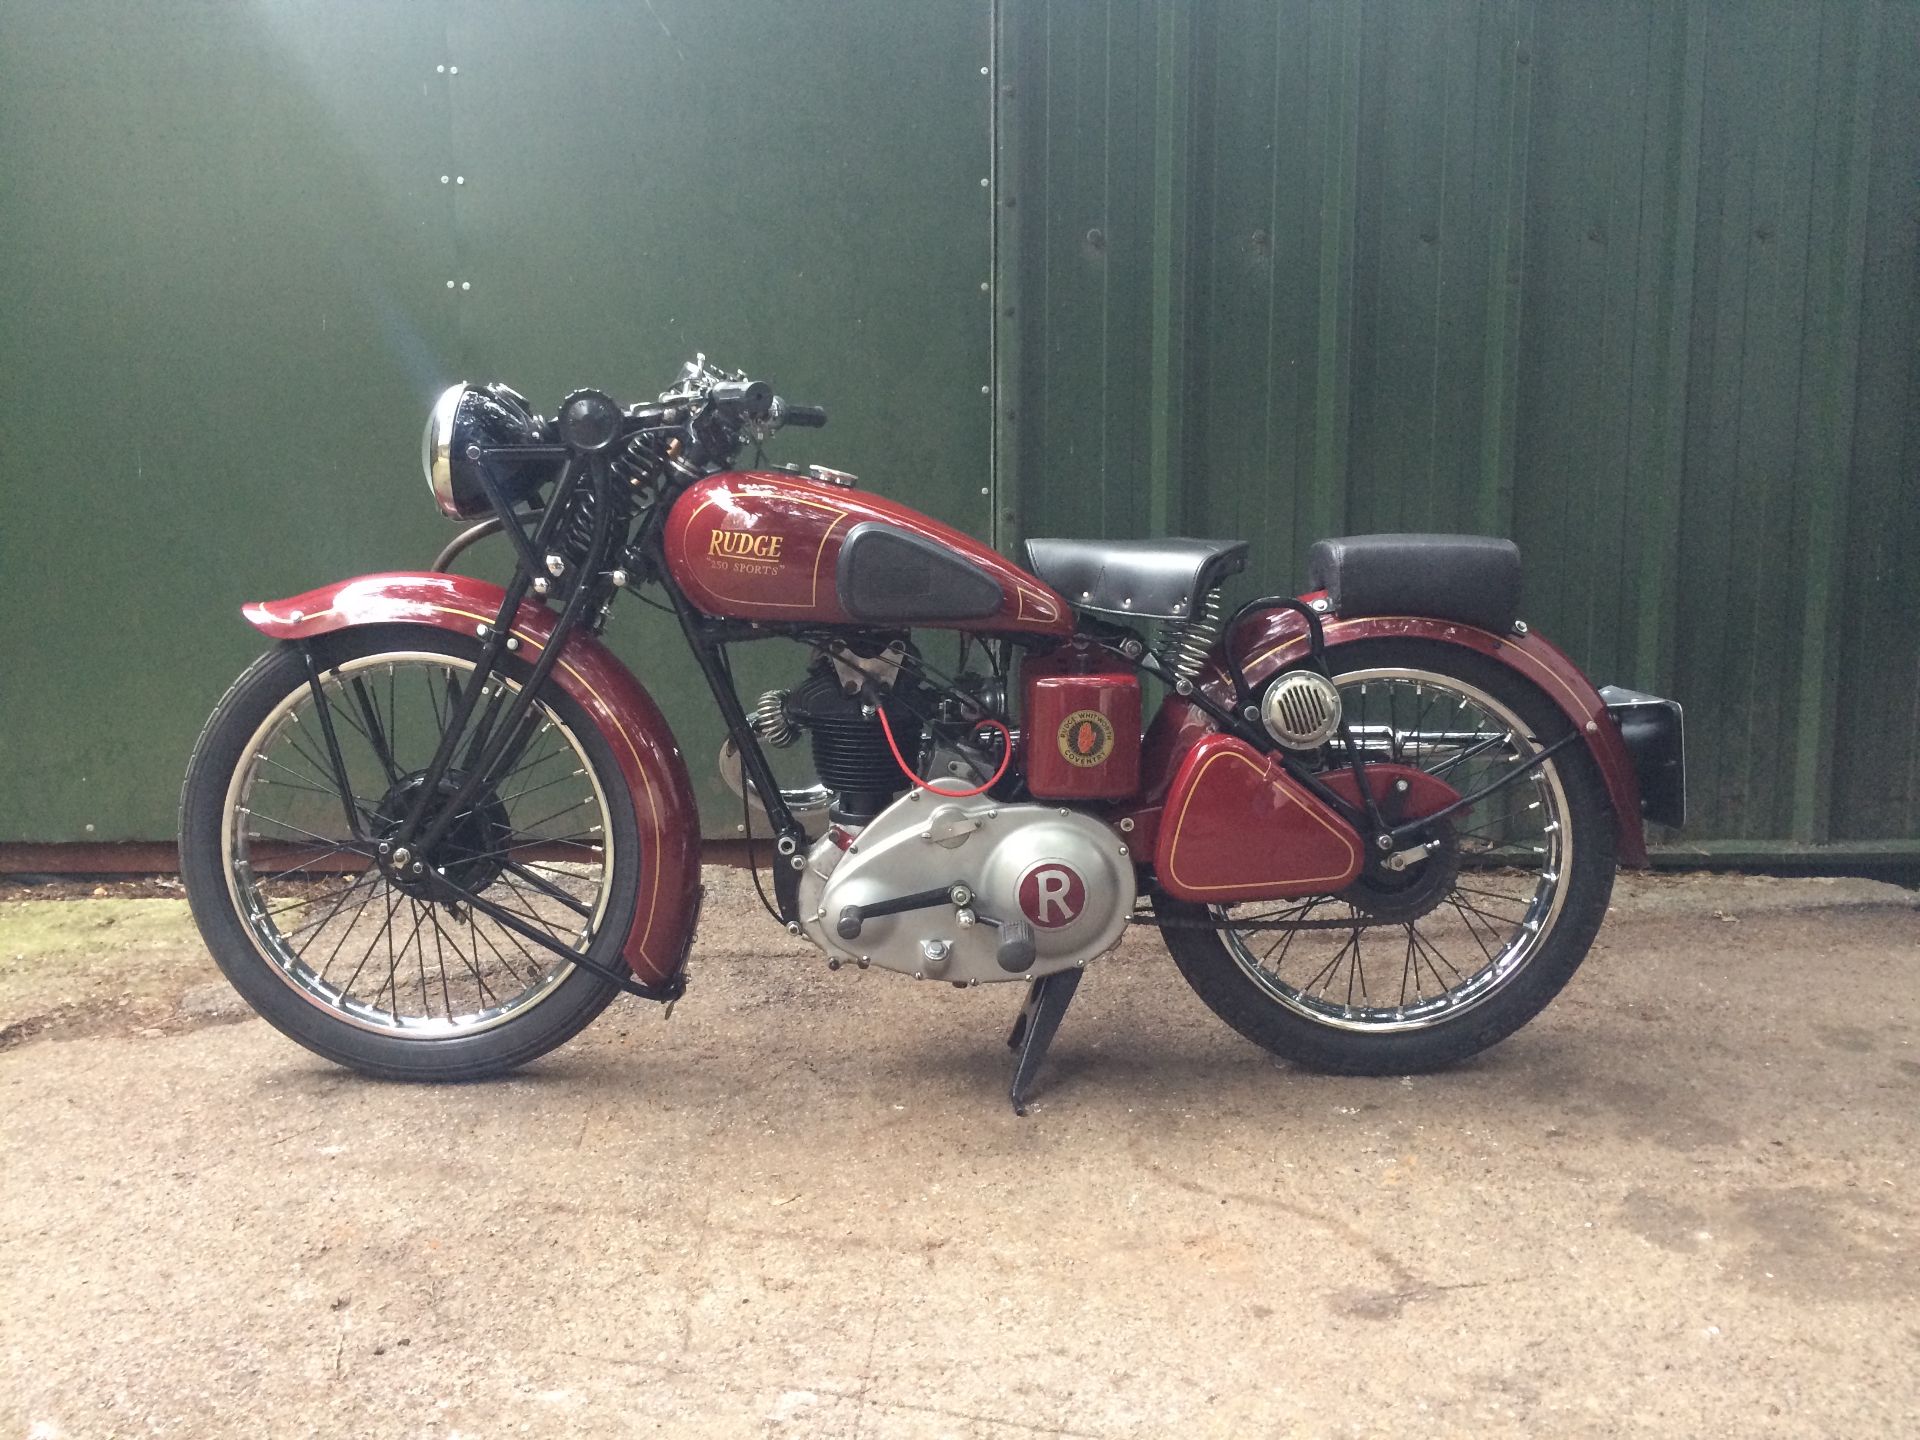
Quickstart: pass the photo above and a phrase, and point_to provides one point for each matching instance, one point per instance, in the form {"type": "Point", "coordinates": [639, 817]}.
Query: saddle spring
{"type": "Point", "coordinates": [1186, 644]}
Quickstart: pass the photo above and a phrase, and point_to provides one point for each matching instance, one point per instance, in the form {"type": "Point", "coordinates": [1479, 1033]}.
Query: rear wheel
{"type": "Point", "coordinates": [1415, 969]}
{"type": "Point", "coordinates": [361, 964]}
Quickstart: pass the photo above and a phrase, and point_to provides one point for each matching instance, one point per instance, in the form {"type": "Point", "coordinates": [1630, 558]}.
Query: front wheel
{"type": "Point", "coordinates": [371, 968]}
{"type": "Point", "coordinates": [1414, 970]}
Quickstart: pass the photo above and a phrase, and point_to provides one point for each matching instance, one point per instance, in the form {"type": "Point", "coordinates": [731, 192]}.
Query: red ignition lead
{"type": "Point", "coordinates": [1006, 758]}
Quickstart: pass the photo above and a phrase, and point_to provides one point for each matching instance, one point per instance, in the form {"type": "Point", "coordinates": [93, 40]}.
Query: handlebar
{"type": "Point", "coordinates": [728, 408]}
{"type": "Point", "coordinates": [808, 417]}
{"type": "Point", "coordinates": [753, 398]}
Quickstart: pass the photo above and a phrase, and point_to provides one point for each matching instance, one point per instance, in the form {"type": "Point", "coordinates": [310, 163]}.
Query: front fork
{"type": "Point", "coordinates": [505, 728]}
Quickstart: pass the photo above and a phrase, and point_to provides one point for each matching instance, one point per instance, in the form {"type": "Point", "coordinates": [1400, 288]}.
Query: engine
{"type": "Point", "coordinates": [968, 890]}
{"type": "Point", "coordinates": [832, 705]}
{"type": "Point", "coordinates": [850, 753]}
{"type": "Point", "coordinates": [957, 887]}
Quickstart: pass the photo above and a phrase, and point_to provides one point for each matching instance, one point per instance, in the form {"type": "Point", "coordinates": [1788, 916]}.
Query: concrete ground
{"type": "Point", "coordinates": [1680, 1203]}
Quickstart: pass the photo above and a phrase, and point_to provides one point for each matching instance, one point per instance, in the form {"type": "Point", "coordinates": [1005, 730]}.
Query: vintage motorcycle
{"type": "Point", "coordinates": [436, 828]}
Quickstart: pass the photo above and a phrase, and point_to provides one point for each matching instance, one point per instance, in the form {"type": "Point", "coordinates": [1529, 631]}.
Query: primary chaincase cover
{"type": "Point", "coordinates": [1066, 874]}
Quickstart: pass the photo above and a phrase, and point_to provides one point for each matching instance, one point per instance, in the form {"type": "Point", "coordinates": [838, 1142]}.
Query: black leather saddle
{"type": "Point", "coordinates": [1472, 579]}
{"type": "Point", "coordinates": [1153, 579]}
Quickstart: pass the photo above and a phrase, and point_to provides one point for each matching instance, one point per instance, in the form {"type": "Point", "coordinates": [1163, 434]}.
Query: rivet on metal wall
{"type": "Point", "coordinates": [983, 182]}
{"type": "Point", "coordinates": [459, 179]}
{"type": "Point", "coordinates": [985, 286]}
{"type": "Point", "coordinates": [466, 284]}
{"type": "Point", "coordinates": [445, 179]}
{"type": "Point", "coordinates": [450, 284]}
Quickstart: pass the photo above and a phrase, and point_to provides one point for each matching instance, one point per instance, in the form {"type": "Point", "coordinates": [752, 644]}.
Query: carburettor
{"type": "Point", "coordinates": [968, 889]}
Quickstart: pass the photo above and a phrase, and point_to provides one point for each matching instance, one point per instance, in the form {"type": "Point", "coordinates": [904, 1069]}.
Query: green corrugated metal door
{"type": "Point", "coordinates": [246, 244]}
{"type": "Point", "coordinates": [1632, 282]}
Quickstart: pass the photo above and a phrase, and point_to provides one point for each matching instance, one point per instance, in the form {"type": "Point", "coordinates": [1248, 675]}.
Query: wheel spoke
{"type": "Point", "coordinates": [1467, 922]}
{"type": "Point", "coordinates": [1286, 939]}
{"type": "Point", "coordinates": [1492, 920]}
{"type": "Point", "coordinates": [296, 869]}
{"type": "Point", "coordinates": [536, 789]}
{"type": "Point", "coordinates": [548, 888]}
{"type": "Point", "coordinates": [320, 769]}
{"type": "Point", "coordinates": [375, 733]}
{"type": "Point", "coordinates": [440, 958]}
{"type": "Point", "coordinates": [355, 847]}
{"type": "Point", "coordinates": [340, 944]}
{"type": "Point", "coordinates": [385, 929]}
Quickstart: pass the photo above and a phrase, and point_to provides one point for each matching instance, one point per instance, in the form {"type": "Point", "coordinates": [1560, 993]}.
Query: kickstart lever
{"type": "Point", "coordinates": [854, 917]}
{"type": "Point", "coordinates": [1014, 953]}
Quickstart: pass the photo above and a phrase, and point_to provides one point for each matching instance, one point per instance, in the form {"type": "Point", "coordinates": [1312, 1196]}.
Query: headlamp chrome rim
{"type": "Point", "coordinates": [436, 449]}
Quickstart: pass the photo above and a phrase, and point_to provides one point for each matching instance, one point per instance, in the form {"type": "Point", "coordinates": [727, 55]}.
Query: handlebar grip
{"type": "Point", "coordinates": [809, 417]}
{"type": "Point", "coordinates": [753, 397]}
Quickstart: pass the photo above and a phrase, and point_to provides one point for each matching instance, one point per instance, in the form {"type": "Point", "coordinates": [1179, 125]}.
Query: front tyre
{"type": "Point", "coordinates": [1414, 970]}
{"type": "Point", "coordinates": [369, 970]}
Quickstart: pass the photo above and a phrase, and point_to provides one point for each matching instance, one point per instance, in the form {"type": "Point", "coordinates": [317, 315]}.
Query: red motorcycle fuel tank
{"type": "Point", "coordinates": [762, 545]}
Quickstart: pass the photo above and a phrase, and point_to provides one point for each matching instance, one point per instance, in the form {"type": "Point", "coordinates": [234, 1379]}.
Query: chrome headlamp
{"type": "Point", "coordinates": [466, 419]}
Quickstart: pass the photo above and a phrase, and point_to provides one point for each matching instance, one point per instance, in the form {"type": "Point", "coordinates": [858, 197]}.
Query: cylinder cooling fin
{"type": "Point", "coordinates": [850, 753]}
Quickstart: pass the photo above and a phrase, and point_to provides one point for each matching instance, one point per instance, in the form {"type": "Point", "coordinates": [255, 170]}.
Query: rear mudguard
{"type": "Point", "coordinates": [1271, 640]}
{"type": "Point", "coordinates": [656, 775]}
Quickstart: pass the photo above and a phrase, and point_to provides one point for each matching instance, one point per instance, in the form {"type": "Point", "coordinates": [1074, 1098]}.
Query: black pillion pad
{"type": "Point", "coordinates": [1472, 579]}
{"type": "Point", "coordinates": [891, 576]}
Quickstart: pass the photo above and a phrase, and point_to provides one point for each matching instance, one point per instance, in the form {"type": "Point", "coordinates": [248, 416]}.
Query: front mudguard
{"type": "Point", "coordinates": [663, 805]}
{"type": "Point", "coordinates": [1271, 640]}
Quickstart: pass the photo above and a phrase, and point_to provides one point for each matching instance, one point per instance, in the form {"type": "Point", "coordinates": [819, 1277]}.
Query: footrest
{"type": "Point", "coordinates": [1015, 952]}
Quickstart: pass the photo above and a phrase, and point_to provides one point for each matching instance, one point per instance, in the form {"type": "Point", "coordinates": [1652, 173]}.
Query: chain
{"type": "Point", "coordinates": [1182, 922]}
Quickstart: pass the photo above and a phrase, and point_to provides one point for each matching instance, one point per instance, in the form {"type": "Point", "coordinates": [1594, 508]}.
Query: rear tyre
{"type": "Point", "coordinates": [329, 948]}
{"type": "Point", "coordinates": [1418, 970]}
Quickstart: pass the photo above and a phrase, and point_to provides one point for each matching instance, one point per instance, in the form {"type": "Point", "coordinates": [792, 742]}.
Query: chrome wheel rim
{"type": "Point", "coordinates": [337, 930]}
{"type": "Point", "coordinates": [1338, 965]}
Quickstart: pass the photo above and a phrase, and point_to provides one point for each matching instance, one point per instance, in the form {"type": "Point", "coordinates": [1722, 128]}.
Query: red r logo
{"type": "Point", "coordinates": [1052, 894]}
